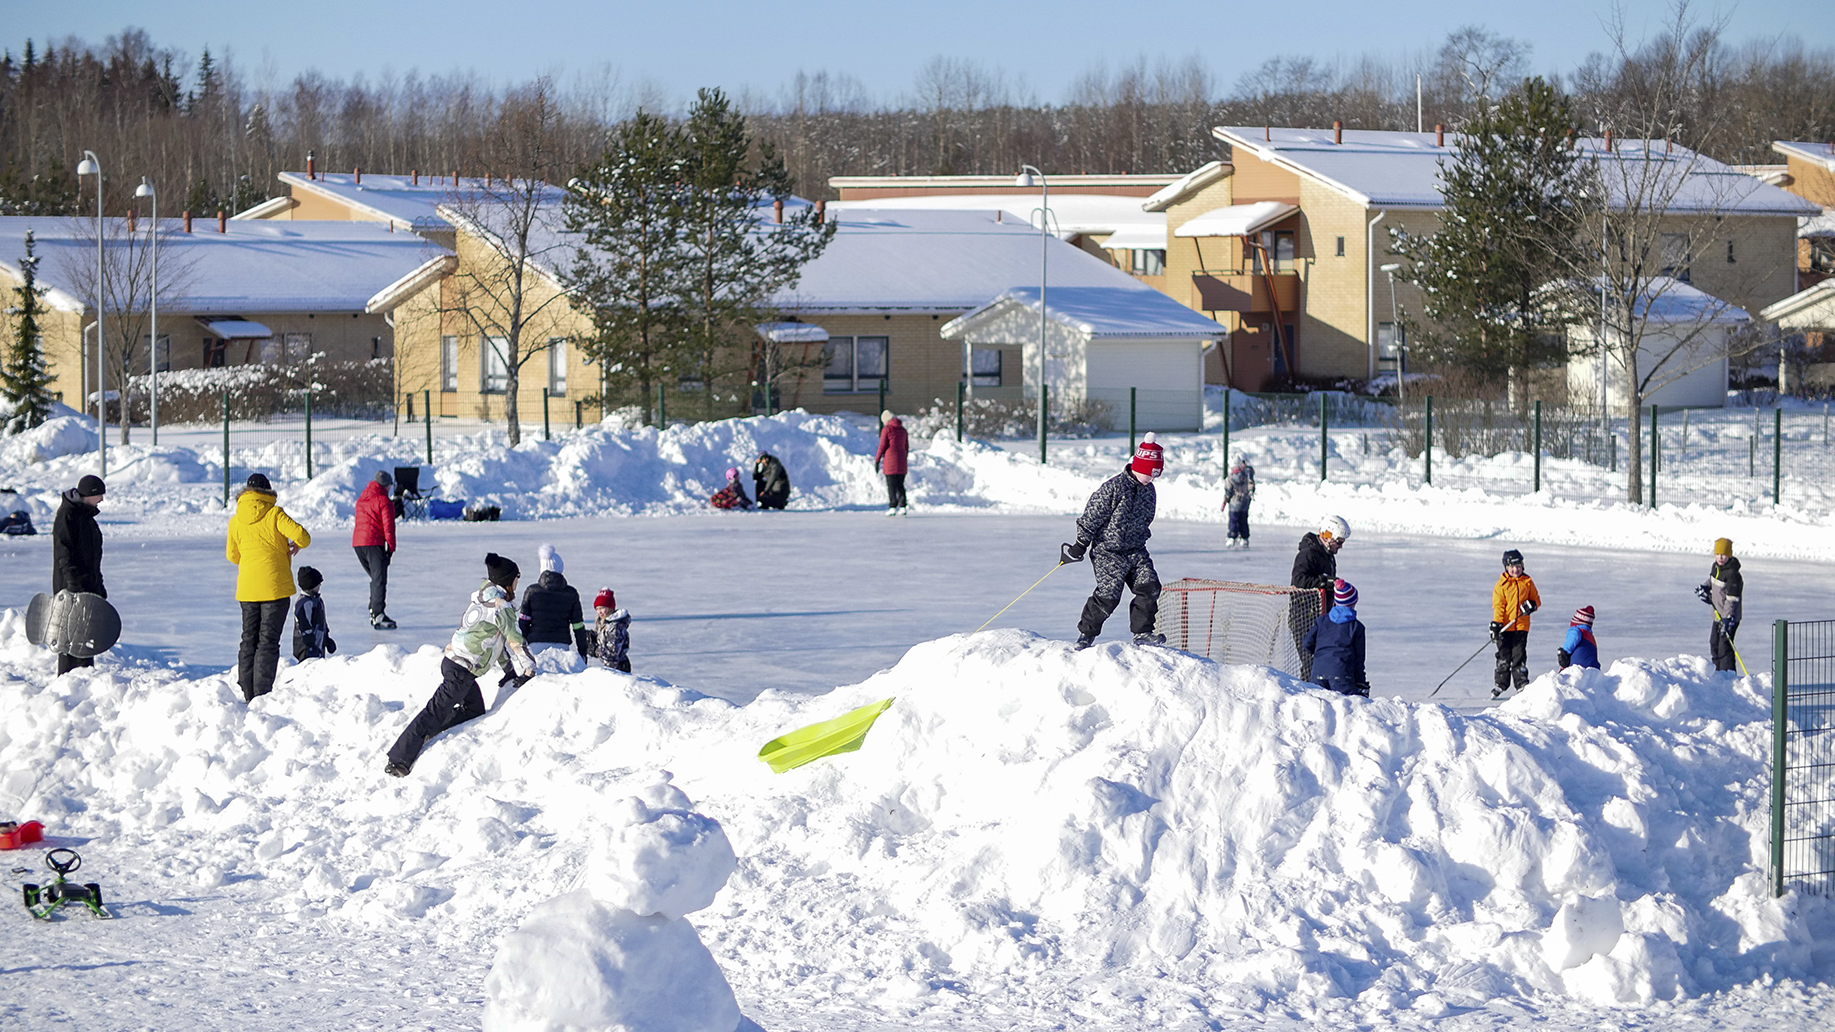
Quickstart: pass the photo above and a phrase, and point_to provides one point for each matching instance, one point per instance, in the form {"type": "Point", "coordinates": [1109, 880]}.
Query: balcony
{"type": "Point", "coordinates": [1245, 292]}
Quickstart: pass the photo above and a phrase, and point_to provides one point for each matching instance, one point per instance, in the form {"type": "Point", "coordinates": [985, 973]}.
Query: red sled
{"type": "Point", "coordinates": [13, 836]}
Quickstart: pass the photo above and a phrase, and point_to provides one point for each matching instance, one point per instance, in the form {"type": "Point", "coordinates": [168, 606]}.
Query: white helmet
{"type": "Point", "coordinates": [1334, 528]}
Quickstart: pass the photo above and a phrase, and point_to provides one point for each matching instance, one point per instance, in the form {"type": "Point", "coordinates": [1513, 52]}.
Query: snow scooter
{"type": "Point", "coordinates": [45, 900]}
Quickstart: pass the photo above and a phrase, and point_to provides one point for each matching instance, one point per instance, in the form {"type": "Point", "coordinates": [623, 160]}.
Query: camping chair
{"type": "Point", "coordinates": [410, 504]}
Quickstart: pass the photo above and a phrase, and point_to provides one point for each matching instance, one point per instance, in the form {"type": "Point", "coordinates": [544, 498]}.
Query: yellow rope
{"type": "Point", "coordinates": [1741, 660]}
{"type": "Point", "coordinates": [1022, 594]}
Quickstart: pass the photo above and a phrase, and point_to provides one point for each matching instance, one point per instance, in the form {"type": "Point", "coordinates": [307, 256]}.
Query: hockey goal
{"type": "Point", "coordinates": [1259, 624]}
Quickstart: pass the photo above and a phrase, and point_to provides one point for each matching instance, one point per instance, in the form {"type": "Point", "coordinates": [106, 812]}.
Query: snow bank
{"type": "Point", "coordinates": [54, 438]}
{"type": "Point", "coordinates": [1134, 835]}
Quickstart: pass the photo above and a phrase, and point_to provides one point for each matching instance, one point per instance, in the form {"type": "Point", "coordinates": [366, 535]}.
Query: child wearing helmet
{"type": "Point", "coordinates": [1513, 598]}
{"type": "Point", "coordinates": [1315, 567]}
{"type": "Point", "coordinates": [732, 496]}
{"type": "Point", "coordinates": [1114, 530]}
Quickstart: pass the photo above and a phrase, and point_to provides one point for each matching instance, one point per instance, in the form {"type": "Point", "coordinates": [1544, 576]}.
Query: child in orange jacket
{"type": "Point", "coordinates": [1512, 600]}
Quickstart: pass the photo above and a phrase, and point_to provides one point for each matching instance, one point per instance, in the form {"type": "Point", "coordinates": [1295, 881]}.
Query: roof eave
{"type": "Point", "coordinates": [399, 292]}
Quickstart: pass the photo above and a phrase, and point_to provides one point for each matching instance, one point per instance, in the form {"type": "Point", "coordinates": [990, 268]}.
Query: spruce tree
{"type": "Point", "coordinates": [24, 382]}
{"type": "Point", "coordinates": [1491, 274]}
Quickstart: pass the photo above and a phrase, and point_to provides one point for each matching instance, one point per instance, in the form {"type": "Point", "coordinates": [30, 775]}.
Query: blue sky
{"type": "Point", "coordinates": [678, 46]}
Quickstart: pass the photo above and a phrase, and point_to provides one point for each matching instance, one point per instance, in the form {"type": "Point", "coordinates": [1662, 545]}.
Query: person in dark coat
{"type": "Point", "coordinates": [373, 538]}
{"type": "Point", "coordinates": [612, 631]}
{"type": "Point", "coordinates": [770, 482]}
{"type": "Point", "coordinates": [894, 447]}
{"type": "Point", "coordinates": [1336, 644]}
{"type": "Point", "coordinates": [76, 550]}
{"type": "Point", "coordinates": [1723, 590]}
{"type": "Point", "coordinates": [550, 612]}
{"type": "Point", "coordinates": [311, 634]}
{"type": "Point", "coordinates": [1315, 567]}
{"type": "Point", "coordinates": [1113, 530]}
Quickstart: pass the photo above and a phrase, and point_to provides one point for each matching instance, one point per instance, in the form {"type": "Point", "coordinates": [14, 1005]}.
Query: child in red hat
{"type": "Point", "coordinates": [1114, 530]}
{"type": "Point", "coordinates": [612, 631]}
{"type": "Point", "coordinates": [1579, 649]}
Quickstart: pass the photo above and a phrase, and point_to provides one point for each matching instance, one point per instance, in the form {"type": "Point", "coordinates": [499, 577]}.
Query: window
{"type": "Point", "coordinates": [216, 353]}
{"type": "Point", "coordinates": [159, 356]}
{"type": "Point", "coordinates": [854, 364]}
{"type": "Point", "coordinates": [449, 363]}
{"type": "Point", "coordinates": [1279, 245]}
{"type": "Point", "coordinates": [375, 347]}
{"type": "Point", "coordinates": [270, 350]}
{"type": "Point", "coordinates": [493, 355]}
{"type": "Point", "coordinates": [1386, 349]}
{"type": "Point", "coordinates": [984, 367]}
{"type": "Point", "coordinates": [295, 347]}
{"type": "Point", "coordinates": [557, 367]}
{"type": "Point", "coordinates": [1341, 247]}
{"type": "Point", "coordinates": [1675, 255]}
{"type": "Point", "coordinates": [1149, 262]}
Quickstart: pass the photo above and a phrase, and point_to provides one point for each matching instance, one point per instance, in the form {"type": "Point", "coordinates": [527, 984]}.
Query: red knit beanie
{"type": "Point", "coordinates": [1583, 617]}
{"type": "Point", "coordinates": [1149, 458]}
{"type": "Point", "coordinates": [605, 599]}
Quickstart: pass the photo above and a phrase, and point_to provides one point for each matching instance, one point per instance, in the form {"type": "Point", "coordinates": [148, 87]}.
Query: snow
{"type": "Point", "coordinates": [1072, 214]}
{"type": "Point", "coordinates": [1100, 312]}
{"type": "Point", "coordinates": [1030, 836]}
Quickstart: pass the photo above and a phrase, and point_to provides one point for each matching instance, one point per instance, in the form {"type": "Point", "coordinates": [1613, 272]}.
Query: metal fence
{"type": "Point", "coordinates": [1803, 756]}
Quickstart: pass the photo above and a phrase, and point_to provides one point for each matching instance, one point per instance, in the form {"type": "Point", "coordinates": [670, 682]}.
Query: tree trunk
{"type": "Point", "coordinates": [512, 377]}
{"type": "Point", "coordinates": [1634, 450]}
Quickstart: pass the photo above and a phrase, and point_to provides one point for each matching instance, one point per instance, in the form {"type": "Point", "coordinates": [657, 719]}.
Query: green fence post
{"type": "Point", "coordinates": [1323, 430]}
{"type": "Point", "coordinates": [225, 449]}
{"type": "Point", "coordinates": [961, 394]}
{"type": "Point", "coordinates": [578, 420]}
{"type": "Point", "coordinates": [1538, 443]}
{"type": "Point", "coordinates": [1427, 442]}
{"type": "Point", "coordinates": [308, 433]}
{"type": "Point", "coordinates": [1226, 429]}
{"type": "Point", "coordinates": [1653, 456]}
{"type": "Point", "coordinates": [1044, 407]}
{"type": "Point", "coordinates": [1780, 714]}
{"type": "Point", "coordinates": [546, 435]}
{"type": "Point", "coordinates": [1131, 393]}
{"type": "Point", "coordinates": [427, 403]}
{"type": "Point", "coordinates": [1777, 455]}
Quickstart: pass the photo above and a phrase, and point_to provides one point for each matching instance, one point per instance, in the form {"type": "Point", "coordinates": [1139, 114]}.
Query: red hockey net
{"type": "Point", "coordinates": [1230, 622]}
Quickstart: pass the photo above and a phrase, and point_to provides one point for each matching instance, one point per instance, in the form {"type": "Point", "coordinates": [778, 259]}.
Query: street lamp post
{"type": "Point", "coordinates": [1027, 172]}
{"type": "Point", "coordinates": [145, 189]}
{"type": "Point", "coordinates": [1395, 334]}
{"type": "Point", "coordinates": [92, 166]}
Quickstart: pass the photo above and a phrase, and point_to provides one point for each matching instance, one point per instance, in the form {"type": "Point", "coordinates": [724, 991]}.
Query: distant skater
{"type": "Point", "coordinates": [1722, 590]}
{"type": "Point", "coordinates": [1238, 492]}
{"type": "Point", "coordinates": [1113, 530]}
{"type": "Point", "coordinates": [1336, 643]}
{"type": "Point", "coordinates": [1513, 598]}
{"type": "Point", "coordinates": [1578, 648]}
{"type": "Point", "coordinates": [373, 538]}
{"type": "Point", "coordinates": [894, 446]}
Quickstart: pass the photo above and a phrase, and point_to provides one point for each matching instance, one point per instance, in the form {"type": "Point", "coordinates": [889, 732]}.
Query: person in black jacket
{"type": "Point", "coordinates": [76, 550]}
{"type": "Point", "coordinates": [1315, 566]}
{"type": "Point", "coordinates": [770, 483]}
{"type": "Point", "coordinates": [1723, 590]}
{"type": "Point", "coordinates": [311, 634]}
{"type": "Point", "coordinates": [1114, 530]}
{"type": "Point", "coordinates": [550, 613]}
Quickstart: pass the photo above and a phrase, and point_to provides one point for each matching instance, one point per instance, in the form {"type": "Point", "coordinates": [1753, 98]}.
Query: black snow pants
{"type": "Point", "coordinates": [457, 700]}
{"type": "Point", "coordinates": [1720, 644]}
{"type": "Point", "coordinates": [259, 656]}
{"type": "Point", "coordinates": [1512, 660]}
{"type": "Point", "coordinates": [375, 562]}
{"type": "Point", "coordinates": [895, 490]}
{"type": "Point", "coordinates": [1114, 570]}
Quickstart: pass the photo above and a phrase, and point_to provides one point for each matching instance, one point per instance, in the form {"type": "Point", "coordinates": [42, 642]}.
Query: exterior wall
{"type": "Point", "coordinates": [923, 368]}
{"type": "Point", "coordinates": [1764, 269]}
{"type": "Point", "coordinates": [311, 206]}
{"type": "Point", "coordinates": [1186, 255]}
{"type": "Point", "coordinates": [62, 343]}
{"type": "Point", "coordinates": [1811, 181]}
{"type": "Point", "coordinates": [1705, 387]}
{"type": "Point", "coordinates": [1169, 375]}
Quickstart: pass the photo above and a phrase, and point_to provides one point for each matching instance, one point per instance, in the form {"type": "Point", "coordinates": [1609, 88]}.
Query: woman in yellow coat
{"type": "Point", "coordinates": [262, 542]}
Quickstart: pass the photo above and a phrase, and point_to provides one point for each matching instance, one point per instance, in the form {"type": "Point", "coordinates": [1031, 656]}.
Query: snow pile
{"type": "Point", "coordinates": [52, 439]}
{"type": "Point", "coordinates": [1130, 836]}
{"type": "Point", "coordinates": [616, 952]}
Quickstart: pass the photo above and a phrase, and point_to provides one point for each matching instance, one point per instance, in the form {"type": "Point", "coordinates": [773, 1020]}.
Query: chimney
{"type": "Point", "coordinates": [821, 212]}
{"type": "Point", "coordinates": [455, 177]}
{"type": "Point", "coordinates": [1608, 141]}
{"type": "Point", "coordinates": [1669, 145]}
{"type": "Point", "coordinates": [222, 222]}
{"type": "Point", "coordinates": [1338, 132]}
{"type": "Point", "coordinates": [1267, 134]}
{"type": "Point", "coordinates": [415, 175]}
{"type": "Point", "coordinates": [997, 214]}
{"type": "Point", "coordinates": [312, 169]}
{"type": "Point", "coordinates": [130, 220]}
{"type": "Point", "coordinates": [187, 222]}
{"type": "Point", "coordinates": [356, 176]}
{"type": "Point", "coordinates": [777, 210]}
{"type": "Point", "coordinates": [1439, 135]}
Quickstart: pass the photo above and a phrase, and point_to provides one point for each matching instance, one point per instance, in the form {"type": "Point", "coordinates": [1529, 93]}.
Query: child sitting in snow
{"type": "Point", "coordinates": [1579, 649]}
{"type": "Point", "coordinates": [311, 635]}
{"type": "Point", "coordinates": [1336, 642]}
{"type": "Point", "coordinates": [732, 496]}
{"type": "Point", "coordinates": [612, 631]}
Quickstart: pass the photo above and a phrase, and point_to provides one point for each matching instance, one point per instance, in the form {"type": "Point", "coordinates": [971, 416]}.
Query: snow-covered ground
{"type": "Point", "coordinates": [1030, 836]}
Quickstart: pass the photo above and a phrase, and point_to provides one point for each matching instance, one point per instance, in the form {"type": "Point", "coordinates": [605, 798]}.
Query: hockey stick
{"type": "Point", "coordinates": [1458, 668]}
{"type": "Point", "coordinates": [1741, 660]}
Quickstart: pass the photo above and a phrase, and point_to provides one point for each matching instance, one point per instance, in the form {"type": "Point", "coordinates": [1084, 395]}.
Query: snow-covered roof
{"type": "Point", "coordinates": [1819, 225]}
{"type": "Point", "coordinates": [1822, 154]}
{"type": "Point", "coordinates": [1664, 299]}
{"type": "Point", "coordinates": [792, 332]}
{"type": "Point", "coordinates": [1097, 312]}
{"type": "Point", "coordinates": [1072, 214]}
{"type": "Point", "coordinates": [235, 329]}
{"type": "Point", "coordinates": [401, 200]}
{"type": "Point", "coordinates": [251, 267]}
{"type": "Point", "coordinates": [1799, 309]}
{"type": "Point", "coordinates": [1136, 238]}
{"type": "Point", "coordinates": [1236, 219]}
{"type": "Point", "coordinates": [1402, 170]}
{"type": "Point", "coordinates": [1187, 184]}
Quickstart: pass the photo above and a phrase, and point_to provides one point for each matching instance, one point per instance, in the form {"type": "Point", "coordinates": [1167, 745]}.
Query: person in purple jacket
{"type": "Point", "coordinates": [1579, 649]}
{"type": "Point", "coordinates": [1336, 642]}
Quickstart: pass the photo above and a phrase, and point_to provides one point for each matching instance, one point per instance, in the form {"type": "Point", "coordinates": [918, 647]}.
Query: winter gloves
{"type": "Point", "coordinates": [1562, 659]}
{"type": "Point", "coordinates": [1497, 628]}
{"type": "Point", "coordinates": [1701, 592]}
{"type": "Point", "coordinates": [1072, 553]}
{"type": "Point", "coordinates": [1528, 606]}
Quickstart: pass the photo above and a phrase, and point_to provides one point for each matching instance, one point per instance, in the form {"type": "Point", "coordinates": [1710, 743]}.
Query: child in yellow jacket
{"type": "Point", "coordinates": [1512, 600]}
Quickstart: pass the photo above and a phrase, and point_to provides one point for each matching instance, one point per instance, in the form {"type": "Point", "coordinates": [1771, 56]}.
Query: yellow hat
{"type": "Point", "coordinates": [1723, 546]}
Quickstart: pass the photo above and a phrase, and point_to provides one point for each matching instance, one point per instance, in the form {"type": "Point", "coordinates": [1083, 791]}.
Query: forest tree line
{"type": "Point", "coordinates": [213, 140]}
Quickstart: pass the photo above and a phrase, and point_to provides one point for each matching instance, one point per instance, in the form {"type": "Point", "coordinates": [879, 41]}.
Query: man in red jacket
{"type": "Point", "coordinates": [374, 540]}
{"type": "Point", "coordinates": [893, 447]}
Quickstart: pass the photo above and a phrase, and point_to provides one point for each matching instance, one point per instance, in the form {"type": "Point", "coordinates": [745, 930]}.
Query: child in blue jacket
{"type": "Point", "coordinates": [1336, 641]}
{"type": "Point", "coordinates": [1579, 649]}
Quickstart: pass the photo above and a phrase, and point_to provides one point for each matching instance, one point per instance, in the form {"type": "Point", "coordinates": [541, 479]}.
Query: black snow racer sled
{"type": "Point", "coordinates": [45, 900]}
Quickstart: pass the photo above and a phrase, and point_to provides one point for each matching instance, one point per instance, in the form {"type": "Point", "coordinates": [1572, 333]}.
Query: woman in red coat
{"type": "Point", "coordinates": [374, 540]}
{"type": "Point", "coordinates": [893, 447]}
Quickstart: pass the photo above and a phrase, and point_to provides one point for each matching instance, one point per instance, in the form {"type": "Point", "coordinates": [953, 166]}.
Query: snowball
{"type": "Point", "coordinates": [578, 963]}
{"type": "Point", "coordinates": [655, 860]}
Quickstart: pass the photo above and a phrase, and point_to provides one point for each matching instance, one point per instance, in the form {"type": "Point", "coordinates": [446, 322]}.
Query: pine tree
{"type": "Point", "coordinates": [1491, 274]}
{"type": "Point", "coordinates": [24, 382]}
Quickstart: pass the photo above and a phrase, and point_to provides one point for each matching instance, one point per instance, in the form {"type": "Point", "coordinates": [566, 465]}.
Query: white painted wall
{"type": "Point", "coordinates": [1169, 375]}
{"type": "Point", "coordinates": [1705, 387]}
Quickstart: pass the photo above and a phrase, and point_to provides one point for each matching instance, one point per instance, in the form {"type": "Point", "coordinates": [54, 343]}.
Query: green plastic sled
{"type": "Point", "coordinates": [842, 734]}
